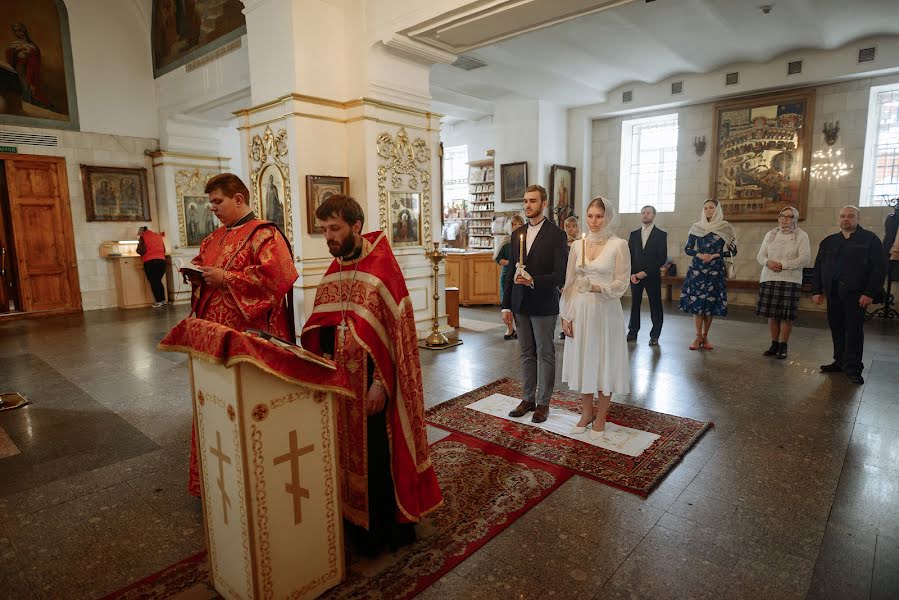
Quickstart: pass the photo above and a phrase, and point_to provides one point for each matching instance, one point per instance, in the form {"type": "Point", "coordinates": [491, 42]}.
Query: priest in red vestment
{"type": "Point", "coordinates": [247, 274]}
{"type": "Point", "coordinates": [363, 318]}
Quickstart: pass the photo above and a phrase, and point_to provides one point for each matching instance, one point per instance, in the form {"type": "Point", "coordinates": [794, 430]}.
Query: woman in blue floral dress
{"type": "Point", "coordinates": [705, 292]}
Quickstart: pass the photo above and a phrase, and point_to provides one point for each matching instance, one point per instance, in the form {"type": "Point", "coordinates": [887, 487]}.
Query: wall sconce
{"type": "Point", "coordinates": [699, 145]}
{"type": "Point", "coordinates": [830, 131]}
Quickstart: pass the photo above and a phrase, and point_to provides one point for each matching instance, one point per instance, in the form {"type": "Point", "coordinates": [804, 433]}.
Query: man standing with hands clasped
{"type": "Point", "coordinates": [649, 251]}
{"type": "Point", "coordinates": [849, 273]}
{"type": "Point", "coordinates": [531, 297]}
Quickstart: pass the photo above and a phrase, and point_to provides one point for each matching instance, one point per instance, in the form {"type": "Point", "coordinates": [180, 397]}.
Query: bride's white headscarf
{"type": "Point", "coordinates": [716, 225]}
{"type": "Point", "coordinates": [609, 224]}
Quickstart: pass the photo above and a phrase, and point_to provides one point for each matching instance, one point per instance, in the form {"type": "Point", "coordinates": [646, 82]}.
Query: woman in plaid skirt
{"type": "Point", "coordinates": [784, 252]}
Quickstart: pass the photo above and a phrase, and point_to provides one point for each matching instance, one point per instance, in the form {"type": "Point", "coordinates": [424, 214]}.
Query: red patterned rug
{"type": "Point", "coordinates": [485, 488]}
{"type": "Point", "coordinates": [634, 474]}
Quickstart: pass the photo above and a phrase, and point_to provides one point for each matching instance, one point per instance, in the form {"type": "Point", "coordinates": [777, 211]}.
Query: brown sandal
{"type": "Point", "coordinates": [697, 343]}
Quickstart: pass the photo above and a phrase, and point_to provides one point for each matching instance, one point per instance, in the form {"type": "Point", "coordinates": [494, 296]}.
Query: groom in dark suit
{"type": "Point", "coordinates": [533, 301]}
{"type": "Point", "coordinates": [649, 251]}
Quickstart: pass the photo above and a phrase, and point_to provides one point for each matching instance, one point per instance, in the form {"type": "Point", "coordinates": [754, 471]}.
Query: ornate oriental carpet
{"type": "Point", "coordinates": [638, 475]}
{"type": "Point", "coordinates": [485, 488]}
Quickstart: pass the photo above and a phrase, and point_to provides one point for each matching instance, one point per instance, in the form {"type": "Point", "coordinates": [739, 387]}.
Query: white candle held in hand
{"type": "Point", "coordinates": [521, 248]}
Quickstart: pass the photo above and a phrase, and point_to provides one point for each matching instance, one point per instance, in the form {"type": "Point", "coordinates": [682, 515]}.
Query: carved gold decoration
{"type": "Point", "coordinates": [408, 166]}
{"type": "Point", "coordinates": [189, 182]}
{"type": "Point", "coordinates": [266, 150]}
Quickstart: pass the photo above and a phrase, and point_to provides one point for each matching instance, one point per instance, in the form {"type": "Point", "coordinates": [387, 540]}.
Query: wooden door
{"type": "Point", "coordinates": [42, 233]}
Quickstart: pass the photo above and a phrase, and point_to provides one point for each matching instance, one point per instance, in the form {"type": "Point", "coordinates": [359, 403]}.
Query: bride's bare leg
{"type": "Point", "coordinates": [602, 409]}
{"type": "Point", "coordinates": [586, 410]}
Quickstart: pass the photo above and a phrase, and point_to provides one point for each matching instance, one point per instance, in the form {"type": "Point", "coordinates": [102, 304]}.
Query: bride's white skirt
{"type": "Point", "coordinates": [596, 358]}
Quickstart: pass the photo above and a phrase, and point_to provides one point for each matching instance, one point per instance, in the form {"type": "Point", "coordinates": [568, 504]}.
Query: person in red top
{"type": "Point", "coordinates": [151, 248]}
{"type": "Point", "coordinates": [363, 318]}
{"type": "Point", "coordinates": [247, 274]}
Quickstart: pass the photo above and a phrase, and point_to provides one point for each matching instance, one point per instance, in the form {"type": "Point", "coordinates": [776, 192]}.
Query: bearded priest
{"type": "Point", "coordinates": [245, 273]}
{"type": "Point", "coordinates": [363, 319]}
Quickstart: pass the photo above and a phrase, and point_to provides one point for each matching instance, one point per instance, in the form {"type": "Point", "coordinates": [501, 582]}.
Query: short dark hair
{"type": "Point", "coordinates": [650, 206]}
{"type": "Point", "coordinates": [229, 184]}
{"type": "Point", "coordinates": [342, 206]}
{"type": "Point", "coordinates": [537, 188]}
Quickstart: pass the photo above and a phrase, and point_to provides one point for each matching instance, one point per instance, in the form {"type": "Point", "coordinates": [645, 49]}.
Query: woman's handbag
{"type": "Point", "coordinates": [730, 269]}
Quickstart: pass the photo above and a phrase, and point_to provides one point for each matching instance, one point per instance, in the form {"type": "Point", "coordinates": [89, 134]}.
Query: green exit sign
{"type": "Point", "coordinates": [10, 149]}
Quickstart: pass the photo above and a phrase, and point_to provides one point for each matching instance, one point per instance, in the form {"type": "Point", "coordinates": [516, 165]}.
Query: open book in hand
{"type": "Point", "coordinates": [187, 268]}
{"type": "Point", "coordinates": [292, 348]}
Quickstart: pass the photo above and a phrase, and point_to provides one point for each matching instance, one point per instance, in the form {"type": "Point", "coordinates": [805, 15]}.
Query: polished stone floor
{"type": "Point", "coordinates": [793, 494]}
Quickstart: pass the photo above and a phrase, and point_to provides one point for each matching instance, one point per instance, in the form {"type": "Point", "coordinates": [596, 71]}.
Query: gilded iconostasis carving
{"type": "Point", "coordinates": [404, 204]}
{"type": "Point", "coordinates": [270, 179]}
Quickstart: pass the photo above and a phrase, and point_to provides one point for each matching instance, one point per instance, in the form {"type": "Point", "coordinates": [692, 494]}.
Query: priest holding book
{"type": "Point", "coordinates": [246, 273]}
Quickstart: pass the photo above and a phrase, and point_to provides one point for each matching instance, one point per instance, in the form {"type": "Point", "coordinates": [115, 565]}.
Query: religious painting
{"type": "Point", "coordinates": [561, 193]}
{"type": "Point", "coordinates": [271, 196]}
{"type": "Point", "coordinates": [115, 194]}
{"type": "Point", "coordinates": [761, 152]}
{"type": "Point", "coordinates": [514, 177]}
{"type": "Point", "coordinates": [405, 219]}
{"type": "Point", "coordinates": [199, 220]}
{"type": "Point", "coordinates": [318, 189]}
{"type": "Point", "coordinates": [184, 30]}
{"type": "Point", "coordinates": [37, 82]}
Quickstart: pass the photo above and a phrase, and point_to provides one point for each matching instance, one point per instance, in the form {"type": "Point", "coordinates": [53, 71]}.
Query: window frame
{"type": "Point", "coordinates": [872, 132]}
{"type": "Point", "coordinates": [627, 204]}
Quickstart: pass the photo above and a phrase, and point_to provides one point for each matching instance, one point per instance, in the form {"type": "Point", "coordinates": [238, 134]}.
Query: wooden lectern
{"type": "Point", "coordinates": [266, 432]}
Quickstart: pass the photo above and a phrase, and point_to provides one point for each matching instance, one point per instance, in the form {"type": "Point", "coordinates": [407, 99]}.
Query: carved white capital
{"type": "Point", "coordinates": [416, 50]}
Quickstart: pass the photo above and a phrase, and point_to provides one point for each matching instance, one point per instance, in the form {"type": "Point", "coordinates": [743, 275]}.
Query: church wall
{"type": "Point", "coordinates": [846, 102]}
{"type": "Point", "coordinates": [118, 121]}
{"type": "Point", "coordinates": [479, 136]}
{"type": "Point", "coordinates": [95, 274]}
{"type": "Point", "coordinates": [113, 68]}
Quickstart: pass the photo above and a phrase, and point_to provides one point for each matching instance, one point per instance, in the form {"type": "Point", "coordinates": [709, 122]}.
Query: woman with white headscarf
{"type": "Point", "coordinates": [704, 294]}
{"type": "Point", "coordinates": [595, 357]}
{"type": "Point", "coordinates": [785, 250]}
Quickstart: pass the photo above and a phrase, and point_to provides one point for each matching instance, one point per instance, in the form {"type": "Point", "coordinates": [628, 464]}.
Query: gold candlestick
{"type": "Point", "coordinates": [436, 339]}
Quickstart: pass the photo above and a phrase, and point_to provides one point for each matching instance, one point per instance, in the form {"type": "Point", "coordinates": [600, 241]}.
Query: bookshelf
{"type": "Point", "coordinates": [482, 198]}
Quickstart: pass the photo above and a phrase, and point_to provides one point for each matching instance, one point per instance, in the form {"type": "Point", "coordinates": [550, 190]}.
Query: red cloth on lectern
{"type": "Point", "coordinates": [226, 346]}
{"type": "Point", "coordinates": [382, 325]}
{"type": "Point", "coordinates": [259, 272]}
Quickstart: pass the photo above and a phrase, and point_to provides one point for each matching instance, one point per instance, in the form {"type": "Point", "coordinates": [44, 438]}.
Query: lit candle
{"type": "Point", "coordinates": [521, 249]}
{"type": "Point", "coordinates": [583, 249]}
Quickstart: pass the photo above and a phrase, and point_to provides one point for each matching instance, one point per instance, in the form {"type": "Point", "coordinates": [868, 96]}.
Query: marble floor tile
{"type": "Point", "coordinates": [793, 492]}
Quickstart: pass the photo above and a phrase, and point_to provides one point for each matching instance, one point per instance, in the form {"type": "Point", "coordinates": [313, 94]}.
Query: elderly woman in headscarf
{"type": "Point", "coordinates": [704, 294]}
{"type": "Point", "coordinates": [784, 252]}
{"type": "Point", "coordinates": [595, 359]}
{"type": "Point", "coordinates": [502, 256]}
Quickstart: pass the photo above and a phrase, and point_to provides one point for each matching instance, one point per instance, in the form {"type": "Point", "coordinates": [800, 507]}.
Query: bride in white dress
{"type": "Point", "coordinates": [596, 357]}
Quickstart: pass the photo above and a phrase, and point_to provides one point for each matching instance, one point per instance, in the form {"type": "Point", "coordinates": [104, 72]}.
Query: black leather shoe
{"type": "Point", "coordinates": [832, 368]}
{"type": "Point", "coordinates": [782, 350]}
{"type": "Point", "coordinates": [522, 409]}
{"type": "Point", "coordinates": [772, 350]}
{"type": "Point", "coordinates": [631, 337]}
{"type": "Point", "coordinates": [540, 414]}
{"type": "Point", "coordinates": [856, 378]}
{"type": "Point", "coordinates": [653, 342]}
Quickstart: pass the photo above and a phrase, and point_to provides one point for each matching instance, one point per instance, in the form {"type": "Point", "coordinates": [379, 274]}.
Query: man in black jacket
{"type": "Point", "coordinates": [533, 301]}
{"type": "Point", "coordinates": [849, 272]}
{"type": "Point", "coordinates": [649, 251]}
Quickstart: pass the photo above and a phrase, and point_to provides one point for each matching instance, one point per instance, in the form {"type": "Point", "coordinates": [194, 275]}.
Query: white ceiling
{"type": "Point", "coordinates": [577, 62]}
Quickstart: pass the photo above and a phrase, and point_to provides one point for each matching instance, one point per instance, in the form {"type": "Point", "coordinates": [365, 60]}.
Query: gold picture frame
{"type": "Point", "coordinates": [318, 189]}
{"type": "Point", "coordinates": [761, 152]}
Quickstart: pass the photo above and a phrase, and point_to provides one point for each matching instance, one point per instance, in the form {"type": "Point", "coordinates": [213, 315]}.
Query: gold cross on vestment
{"type": "Point", "coordinates": [293, 455]}
{"type": "Point", "coordinates": [223, 458]}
